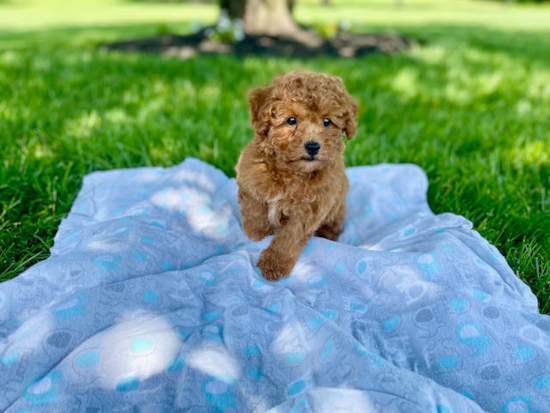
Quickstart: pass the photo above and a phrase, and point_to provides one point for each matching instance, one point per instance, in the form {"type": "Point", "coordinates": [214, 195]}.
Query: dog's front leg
{"type": "Point", "coordinates": [278, 260]}
{"type": "Point", "coordinates": [256, 226]}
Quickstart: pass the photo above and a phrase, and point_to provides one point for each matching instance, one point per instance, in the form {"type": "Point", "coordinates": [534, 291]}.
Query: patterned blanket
{"type": "Point", "coordinates": [151, 302]}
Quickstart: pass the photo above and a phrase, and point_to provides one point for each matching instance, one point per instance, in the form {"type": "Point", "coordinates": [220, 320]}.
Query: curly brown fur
{"type": "Point", "coordinates": [284, 189]}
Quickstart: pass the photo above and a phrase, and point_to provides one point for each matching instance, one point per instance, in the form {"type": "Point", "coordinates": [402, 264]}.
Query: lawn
{"type": "Point", "coordinates": [470, 105]}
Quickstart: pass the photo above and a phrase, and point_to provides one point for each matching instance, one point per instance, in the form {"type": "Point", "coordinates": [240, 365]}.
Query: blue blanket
{"type": "Point", "coordinates": [151, 302]}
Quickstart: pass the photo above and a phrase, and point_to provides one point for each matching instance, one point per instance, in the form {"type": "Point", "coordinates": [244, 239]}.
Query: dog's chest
{"type": "Point", "coordinates": [281, 206]}
{"type": "Point", "coordinates": [274, 210]}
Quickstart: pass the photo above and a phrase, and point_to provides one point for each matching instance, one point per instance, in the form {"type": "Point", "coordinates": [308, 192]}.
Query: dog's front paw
{"type": "Point", "coordinates": [274, 266]}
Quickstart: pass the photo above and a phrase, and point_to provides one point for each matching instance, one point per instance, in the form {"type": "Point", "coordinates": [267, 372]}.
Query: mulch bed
{"type": "Point", "coordinates": [343, 44]}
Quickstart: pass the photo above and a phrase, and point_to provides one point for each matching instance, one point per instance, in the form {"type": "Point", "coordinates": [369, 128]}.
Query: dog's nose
{"type": "Point", "coordinates": [312, 148]}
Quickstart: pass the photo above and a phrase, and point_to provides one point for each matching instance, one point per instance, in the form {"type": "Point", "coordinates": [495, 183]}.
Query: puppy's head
{"type": "Point", "coordinates": [299, 119]}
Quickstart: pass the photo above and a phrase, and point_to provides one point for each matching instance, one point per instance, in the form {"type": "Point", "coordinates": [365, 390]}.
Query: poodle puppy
{"type": "Point", "coordinates": [291, 176]}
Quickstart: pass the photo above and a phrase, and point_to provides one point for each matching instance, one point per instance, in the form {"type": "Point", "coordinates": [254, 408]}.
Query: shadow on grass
{"type": "Point", "coordinates": [523, 44]}
{"type": "Point", "coordinates": [307, 44]}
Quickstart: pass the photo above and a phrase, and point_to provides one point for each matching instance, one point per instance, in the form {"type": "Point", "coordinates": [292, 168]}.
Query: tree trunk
{"type": "Point", "coordinates": [269, 17]}
{"type": "Point", "coordinates": [233, 8]}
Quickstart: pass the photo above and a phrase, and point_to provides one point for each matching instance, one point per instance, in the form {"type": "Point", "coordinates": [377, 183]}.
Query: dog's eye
{"type": "Point", "coordinates": [291, 121]}
{"type": "Point", "coordinates": [327, 122]}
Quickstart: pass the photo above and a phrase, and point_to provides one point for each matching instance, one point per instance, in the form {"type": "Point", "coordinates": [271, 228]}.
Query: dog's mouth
{"type": "Point", "coordinates": [304, 159]}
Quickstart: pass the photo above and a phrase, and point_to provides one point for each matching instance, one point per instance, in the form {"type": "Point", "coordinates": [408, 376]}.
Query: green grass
{"type": "Point", "coordinates": [471, 106]}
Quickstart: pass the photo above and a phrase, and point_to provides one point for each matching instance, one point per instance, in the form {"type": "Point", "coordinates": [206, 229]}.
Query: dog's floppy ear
{"type": "Point", "coordinates": [348, 104]}
{"type": "Point", "coordinates": [350, 126]}
{"type": "Point", "coordinates": [260, 101]}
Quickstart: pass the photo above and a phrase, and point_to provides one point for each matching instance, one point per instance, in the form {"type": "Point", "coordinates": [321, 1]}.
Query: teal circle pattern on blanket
{"type": "Point", "coordinates": [296, 388]}
{"type": "Point", "coordinates": [471, 335]}
{"type": "Point", "coordinates": [524, 353]}
{"type": "Point", "coordinates": [138, 256]}
{"type": "Point", "coordinates": [150, 296]}
{"type": "Point", "coordinates": [295, 358]}
{"type": "Point", "coordinates": [128, 384]}
{"type": "Point", "coordinates": [140, 345]}
{"type": "Point", "coordinates": [390, 323]}
{"type": "Point", "coordinates": [9, 358]}
{"type": "Point", "coordinates": [327, 350]}
{"type": "Point", "coordinates": [543, 383]}
{"type": "Point", "coordinates": [448, 363]}
{"type": "Point", "coordinates": [458, 304]}
{"type": "Point", "coordinates": [88, 359]}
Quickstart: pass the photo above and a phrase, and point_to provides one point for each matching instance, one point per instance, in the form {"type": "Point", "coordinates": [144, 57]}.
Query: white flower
{"type": "Point", "coordinates": [238, 31]}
